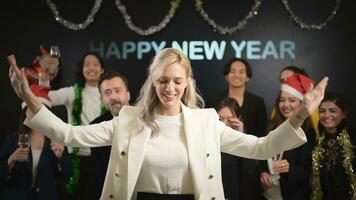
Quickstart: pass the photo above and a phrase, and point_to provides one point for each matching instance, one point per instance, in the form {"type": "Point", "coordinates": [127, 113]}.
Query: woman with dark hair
{"type": "Point", "coordinates": [229, 112]}
{"type": "Point", "coordinates": [82, 100]}
{"type": "Point", "coordinates": [83, 104]}
{"type": "Point", "coordinates": [283, 76]}
{"type": "Point", "coordinates": [286, 175]}
{"type": "Point", "coordinates": [333, 158]}
{"type": "Point", "coordinates": [35, 170]}
{"type": "Point", "coordinates": [289, 71]}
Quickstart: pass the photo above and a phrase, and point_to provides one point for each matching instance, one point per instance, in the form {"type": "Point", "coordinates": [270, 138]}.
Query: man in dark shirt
{"type": "Point", "coordinates": [115, 94]}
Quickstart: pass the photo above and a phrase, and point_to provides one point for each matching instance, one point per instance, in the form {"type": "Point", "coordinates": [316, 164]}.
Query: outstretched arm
{"type": "Point", "coordinates": [21, 87]}
{"type": "Point", "coordinates": [311, 102]}
{"type": "Point", "coordinates": [42, 120]}
{"type": "Point", "coordinates": [286, 136]}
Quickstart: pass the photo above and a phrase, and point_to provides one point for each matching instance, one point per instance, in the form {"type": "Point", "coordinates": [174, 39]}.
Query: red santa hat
{"type": "Point", "coordinates": [297, 85]}
{"type": "Point", "coordinates": [42, 93]}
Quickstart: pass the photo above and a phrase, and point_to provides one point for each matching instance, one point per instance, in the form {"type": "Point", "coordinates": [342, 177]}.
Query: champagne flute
{"type": "Point", "coordinates": [53, 68]}
{"type": "Point", "coordinates": [275, 176]}
{"type": "Point", "coordinates": [24, 142]}
{"type": "Point", "coordinates": [54, 51]}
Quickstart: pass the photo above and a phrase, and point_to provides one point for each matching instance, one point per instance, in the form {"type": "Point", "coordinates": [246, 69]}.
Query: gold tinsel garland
{"type": "Point", "coordinates": [224, 30]}
{"type": "Point", "coordinates": [72, 25]}
{"type": "Point", "coordinates": [310, 27]}
{"type": "Point", "coordinates": [152, 29]}
{"type": "Point", "coordinates": [318, 154]}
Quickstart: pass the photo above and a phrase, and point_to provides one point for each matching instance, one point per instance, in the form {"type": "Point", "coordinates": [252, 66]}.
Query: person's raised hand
{"type": "Point", "coordinates": [21, 86]}
{"type": "Point", "coordinates": [315, 95]}
{"type": "Point", "coordinates": [18, 79]}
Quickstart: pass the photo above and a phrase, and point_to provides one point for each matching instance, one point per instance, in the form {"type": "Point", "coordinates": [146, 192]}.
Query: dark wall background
{"type": "Point", "coordinates": [24, 25]}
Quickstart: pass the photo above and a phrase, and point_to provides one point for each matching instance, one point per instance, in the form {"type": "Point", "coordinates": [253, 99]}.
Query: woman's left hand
{"type": "Point", "coordinates": [57, 149]}
{"type": "Point", "coordinates": [281, 166]}
{"type": "Point", "coordinates": [314, 96]}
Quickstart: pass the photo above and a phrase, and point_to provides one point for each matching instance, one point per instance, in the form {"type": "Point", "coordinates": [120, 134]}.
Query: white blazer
{"type": "Point", "coordinates": [205, 135]}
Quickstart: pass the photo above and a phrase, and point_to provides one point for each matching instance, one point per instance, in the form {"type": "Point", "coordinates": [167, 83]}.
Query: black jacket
{"type": "Point", "coordinates": [100, 160]}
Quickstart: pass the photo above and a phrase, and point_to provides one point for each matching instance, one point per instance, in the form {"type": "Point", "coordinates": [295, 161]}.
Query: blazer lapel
{"type": "Point", "coordinates": [45, 151]}
{"type": "Point", "coordinates": [136, 153]}
{"type": "Point", "coordinates": [196, 146]}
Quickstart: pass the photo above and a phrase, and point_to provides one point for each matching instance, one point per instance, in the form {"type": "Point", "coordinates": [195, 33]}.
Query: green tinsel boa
{"type": "Point", "coordinates": [76, 121]}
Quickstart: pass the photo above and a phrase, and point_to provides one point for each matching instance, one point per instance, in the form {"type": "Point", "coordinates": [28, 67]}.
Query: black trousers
{"type": "Point", "coordinates": [152, 196]}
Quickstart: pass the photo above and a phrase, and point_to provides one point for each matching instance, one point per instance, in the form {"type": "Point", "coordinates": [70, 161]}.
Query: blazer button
{"type": "Point", "coordinates": [37, 189]}
{"type": "Point", "coordinates": [123, 153]}
{"type": "Point", "coordinates": [59, 168]}
{"type": "Point", "coordinates": [210, 176]}
{"type": "Point", "coordinates": [207, 155]}
{"type": "Point", "coordinates": [111, 196]}
{"type": "Point", "coordinates": [117, 174]}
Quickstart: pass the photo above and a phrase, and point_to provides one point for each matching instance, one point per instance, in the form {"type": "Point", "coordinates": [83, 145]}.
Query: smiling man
{"type": "Point", "coordinates": [114, 92]}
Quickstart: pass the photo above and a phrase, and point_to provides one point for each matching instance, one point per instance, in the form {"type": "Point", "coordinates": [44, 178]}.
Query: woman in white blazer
{"type": "Point", "coordinates": [165, 147]}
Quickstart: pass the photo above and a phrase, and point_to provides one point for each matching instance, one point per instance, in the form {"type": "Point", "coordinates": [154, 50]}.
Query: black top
{"type": "Point", "coordinates": [334, 181]}
{"type": "Point", "coordinates": [99, 160]}
{"type": "Point", "coordinates": [295, 184]}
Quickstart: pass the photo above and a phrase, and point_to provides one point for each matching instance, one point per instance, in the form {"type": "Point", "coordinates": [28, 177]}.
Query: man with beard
{"type": "Point", "coordinates": [115, 94]}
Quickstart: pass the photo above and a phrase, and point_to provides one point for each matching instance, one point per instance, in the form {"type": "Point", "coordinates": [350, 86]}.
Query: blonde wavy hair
{"type": "Point", "coordinates": [148, 99]}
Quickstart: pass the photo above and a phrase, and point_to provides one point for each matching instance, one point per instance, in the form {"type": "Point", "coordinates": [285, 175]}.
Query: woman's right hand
{"type": "Point", "coordinates": [266, 181]}
{"type": "Point", "coordinates": [236, 123]}
{"type": "Point", "coordinates": [21, 86]}
{"type": "Point", "coordinates": [20, 154]}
